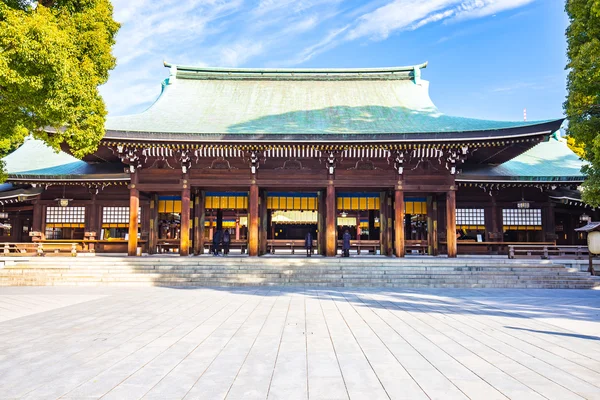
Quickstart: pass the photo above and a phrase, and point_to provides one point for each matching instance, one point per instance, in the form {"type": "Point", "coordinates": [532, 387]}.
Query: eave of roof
{"type": "Point", "coordinates": [547, 162]}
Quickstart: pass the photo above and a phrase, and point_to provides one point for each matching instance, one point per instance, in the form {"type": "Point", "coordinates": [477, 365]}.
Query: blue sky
{"type": "Point", "coordinates": [487, 58]}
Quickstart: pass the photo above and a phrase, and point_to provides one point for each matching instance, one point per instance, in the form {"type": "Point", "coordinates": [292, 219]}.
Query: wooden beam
{"type": "Point", "coordinates": [451, 223]}
{"type": "Point", "coordinates": [253, 221]}
{"type": "Point", "coordinates": [184, 238]}
{"type": "Point", "coordinates": [199, 223]}
{"type": "Point", "coordinates": [153, 230]}
{"type": "Point", "coordinates": [134, 204]}
{"type": "Point", "coordinates": [399, 249]}
{"type": "Point", "coordinates": [330, 222]}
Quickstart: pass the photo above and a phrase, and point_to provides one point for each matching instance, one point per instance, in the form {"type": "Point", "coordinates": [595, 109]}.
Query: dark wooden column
{"type": "Point", "coordinates": [253, 221]}
{"type": "Point", "coordinates": [184, 241]}
{"type": "Point", "coordinates": [134, 204]}
{"type": "Point", "coordinates": [330, 222]}
{"type": "Point", "coordinates": [199, 222]}
{"type": "Point", "coordinates": [383, 222]}
{"type": "Point", "coordinates": [399, 249]}
{"type": "Point", "coordinates": [451, 223]}
{"type": "Point", "coordinates": [263, 223]}
{"type": "Point", "coordinates": [432, 228]}
{"type": "Point", "coordinates": [153, 229]}
{"type": "Point", "coordinates": [321, 222]}
{"type": "Point", "coordinates": [91, 222]}
{"type": "Point", "coordinates": [493, 222]}
{"type": "Point", "coordinates": [549, 223]}
{"type": "Point", "coordinates": [38, 217]}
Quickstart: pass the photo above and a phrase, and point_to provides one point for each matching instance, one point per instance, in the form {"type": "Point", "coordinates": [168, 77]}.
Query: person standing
{"type": "Point", "coordinates": [308, 244]}
{"type": "Point", "coordinates": [217, 242]}
{"type": "Point", "coordinates": [346, 244]}
{"type": "Point", "coordinates": [226, 242]}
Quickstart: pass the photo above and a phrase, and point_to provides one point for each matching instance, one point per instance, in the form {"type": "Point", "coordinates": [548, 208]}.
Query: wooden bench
{"type": "Point", "coordinates": [292, 244]}
{"type": "Point", "coordinates": [164, 245]}
{"type": "Point", "coordinates": [547, 251]}
{"type": "Point", "coordinates": [420, 246]}
{"type": "Point", "coordinates": [234, 244]}
{"type": "Point", "coordinates": [369, 245]}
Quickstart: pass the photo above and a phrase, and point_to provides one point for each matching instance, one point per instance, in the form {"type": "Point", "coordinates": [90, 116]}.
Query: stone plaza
{"type": "Point", "coordinates": [298, 343]}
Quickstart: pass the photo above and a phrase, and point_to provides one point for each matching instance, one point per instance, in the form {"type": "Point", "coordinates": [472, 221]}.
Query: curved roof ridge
{"type": "Point", "coordinates": [262, 71]}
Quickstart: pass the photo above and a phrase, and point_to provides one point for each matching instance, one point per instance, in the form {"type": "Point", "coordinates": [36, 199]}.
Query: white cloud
{"type": "Point", "coordinates": [401, 15]}
{"type": "Point", "coordinates": [233, 56]}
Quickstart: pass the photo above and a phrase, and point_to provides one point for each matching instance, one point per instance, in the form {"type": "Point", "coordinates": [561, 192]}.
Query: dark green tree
{"type": "Point", "coordinates": [583, 101]}
{"type": "Point", "coordinates": [53, 56]}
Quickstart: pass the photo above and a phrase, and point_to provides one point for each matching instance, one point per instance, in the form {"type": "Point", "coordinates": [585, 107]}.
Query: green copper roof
{"type": "Point", "coordinates": [547, 161]}
{"type": "Point", "coordinates": [37, 161]}
{"type": "Point", "coordinates": [318, 102]}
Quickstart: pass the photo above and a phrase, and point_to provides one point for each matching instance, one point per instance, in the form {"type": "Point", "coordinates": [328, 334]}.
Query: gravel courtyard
{"type": "Point", "coordinates": [161, 343]}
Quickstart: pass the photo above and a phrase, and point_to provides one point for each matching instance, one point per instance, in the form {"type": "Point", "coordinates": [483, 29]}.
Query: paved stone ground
{"type": "Point", "coordinates": [160, 343]}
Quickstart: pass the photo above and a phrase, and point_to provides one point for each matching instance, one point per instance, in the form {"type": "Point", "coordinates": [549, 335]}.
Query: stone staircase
{"type": "Point", "coordinates": [244, 271]}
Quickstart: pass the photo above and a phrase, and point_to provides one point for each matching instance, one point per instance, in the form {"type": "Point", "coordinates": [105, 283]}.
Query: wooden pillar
{"type": "Point", "coordinates": [320, 223]}
{"type": "Point", "coordinates": [184, 238]}
{"type": "Point", "coordinates": [385, 222]}
{"type": "Point", "coordinates": [435, 249]}
{"type": "Point", "coordinates": [330, 222]}
{"type": "Point", "coordinates": [358, 226]}
{"type": "Point", "coordinates": [38, 217]}
{"type": "Point", "coordinates": [389, 244]}
{"type": "Point", "coordinates": [134, 204]}
{"type": "Point", "coordinates": [493, 223]}
{"type": "Point", "coordinates": [549, 223]}
{"type": "Point", "coordinates": [153, 230]}
{"type": "Point", "coordinates": [253, 221]}
{"type": "Point", "coordinates": [237, 228]}
{"type": "Point", "coordinates": [399, 249]}
{"type": "Point", "coordinates": [199, 223]}
{"type": "Point", "coordinates": [91, 223]}
{"type": "Point", "coordinates": [263, 223]}
{"type": "Point", "coordinates": [451, 223]}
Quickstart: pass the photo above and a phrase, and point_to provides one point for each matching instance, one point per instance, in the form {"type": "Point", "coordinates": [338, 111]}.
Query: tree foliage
{"type": "Point", "coordinates": [53, 56]}
{"type": "Point", "coordinates": [583, 102]}
{"type": "Point", "coordinates": [575, 146]}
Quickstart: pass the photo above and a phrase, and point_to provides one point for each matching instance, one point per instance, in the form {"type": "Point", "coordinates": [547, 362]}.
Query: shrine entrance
{"type": "Point", "coordinates": [416, 225]}
{"type": "Point", "coordinates": [290, 216]}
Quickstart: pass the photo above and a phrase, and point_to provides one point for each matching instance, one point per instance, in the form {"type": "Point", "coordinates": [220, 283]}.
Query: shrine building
{"type": "Point", "coordinates": [271, 154]}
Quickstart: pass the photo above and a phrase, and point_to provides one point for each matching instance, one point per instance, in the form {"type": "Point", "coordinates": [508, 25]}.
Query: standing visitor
{"type": "Point", "coordinates": [308, 244]}
{"type": "Point", "coordinates": [226, 242]}
{"type": "Point", "coordinates": [217, 242]}
{"type": "Point", "coordinates": [346, 244]}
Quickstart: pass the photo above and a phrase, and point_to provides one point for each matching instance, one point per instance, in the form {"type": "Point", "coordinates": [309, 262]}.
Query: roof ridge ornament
{"type": "Point", "coordinates": [172, 74]}
{"type": "Point", "coordinates": [417, 74]}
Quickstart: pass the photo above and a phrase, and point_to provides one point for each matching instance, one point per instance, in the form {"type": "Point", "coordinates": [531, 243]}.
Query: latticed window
{"type": "Point", "coordinates": [65, 217]}
{"type": "Point", "coordinates": [117, 217]}
{"type": "Point", "coordinates": [522, 219]}
{"type": "Point", "coordinates": [470, 217]}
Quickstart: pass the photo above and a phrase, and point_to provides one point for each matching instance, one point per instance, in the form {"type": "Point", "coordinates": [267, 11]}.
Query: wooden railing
{"type": "Point", "coordinates": [40, 248]}
{"type": "Point", "coordinates": [548, 251]}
